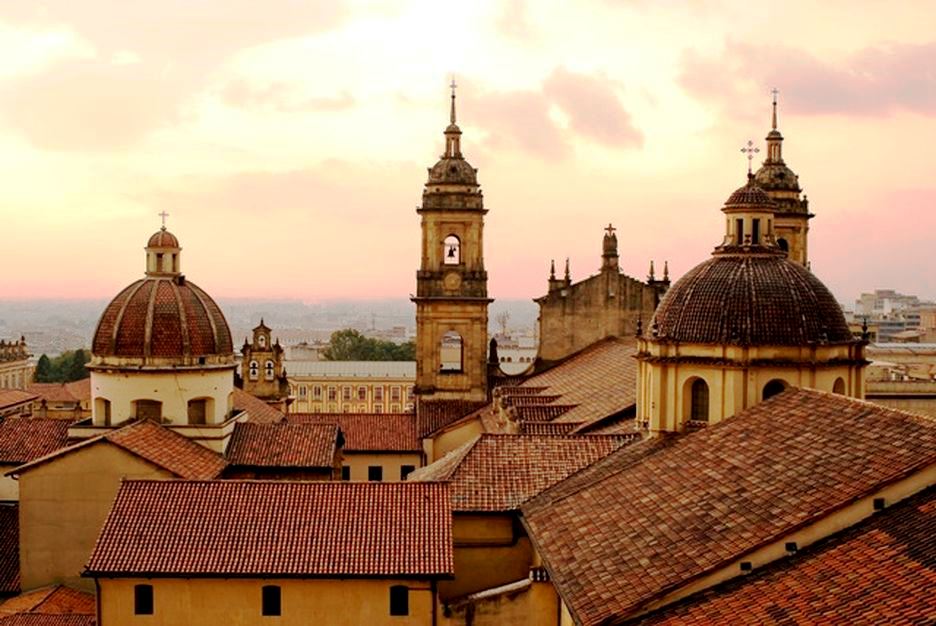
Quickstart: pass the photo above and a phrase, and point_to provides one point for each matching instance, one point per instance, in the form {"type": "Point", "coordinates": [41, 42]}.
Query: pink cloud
{"type": "Point", "coordinates": [593, 108]}
{"type": "Point", "coordinates": [282, 97]}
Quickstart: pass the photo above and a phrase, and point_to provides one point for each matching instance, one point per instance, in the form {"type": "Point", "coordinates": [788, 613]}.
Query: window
{"type": "Point", "coordinates": [375, 473]}
{"type": "Point", "coordinates": [394, 394]}
{"type": "Point", "coordinates": [406, 470]}
{"type": "Point", "coordinates": [317, 392]}
{"type": "Point", "coordinates": [699, 401]}
{"type": "Point", "coordinates": [143, 599]}
{"type": "Point", "coordinates": [839, 386]}
{"type": "Point", "coordinates": [399, 600]}
{"type": "Point", "coordinates": [197, 411]}
{"type": "Point", "coordinates": [394, 408]}
{"type": "Point", "coordinates": [303, 390]}
{"type": "Point", "coordinates": [740, 230]}
{"type": "Point", "coordinates": [409, 393]}
{"type": "Point", "coordinates": [345, 473]}
{"type": "Point", "coordinates": [268, 370]}
{"type": "Point", "coordinates": [254, 370]}
{"type": "Point", "coordinates": [451, 250]}
{"type": "Point", "coordinates": [783, 244]}
{"type": "Point", "coordinates": [148, 410]}
{"type": "Point", "coordinates": [755, 231]}
{"type": "Point", "coordinates": [378, 408]}
{"type": "Point", "coordinates": [346, 393]}
{"type": "Point", "coordinates": [102, 406]}
{"type": "Point", "coordinates": [378, 393]}
{"type": "Point", "coordinates": [261, 341]}
{"type": "Point", "coordinates": [332, 394]}
{"type": "Point", "coordinates": [362, 393]}
{"type": "Point", "coordinates": [773, 388]}
{"type": "Point", "coordinates": [272, 600]}
{"type": "Point", "coordinates": [450, 353]}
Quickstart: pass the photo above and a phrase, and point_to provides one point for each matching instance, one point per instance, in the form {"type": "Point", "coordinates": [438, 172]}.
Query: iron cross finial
{"type": "Point", "coordinates": [610, 229]}
{"type": "Point", "coordinates": [750, 150]}
{"type": "Point", "coordinates": [163, 215]}
{"type": "Point", "coordinates": [453, 86]}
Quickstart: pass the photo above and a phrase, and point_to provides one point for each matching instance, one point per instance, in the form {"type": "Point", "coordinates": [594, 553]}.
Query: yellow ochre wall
{"type": "Point", "coordinates": [237, 602]}
{"type": "Point", "coordinates": [63, 505]}
{"type": "Point", "coordinates": [452, 437]}
{"type": "Point", "coordinates": [9, 488]}
{"type": "Point", "coordinates": [533, 604]}
{"type": "Point", "coordinates": [390, 462]}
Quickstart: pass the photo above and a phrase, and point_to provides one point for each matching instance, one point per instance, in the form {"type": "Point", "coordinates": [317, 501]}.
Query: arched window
{"type": "Point", "coordinates": [254, 370]}
{"type": "Point", "coordinates": [147, 410]}
{"type": "Point", "coordinates": [450, 353]}
{"type": "Point", "coordinates": [261, 341]}
{"type": "Point", "coordinates": [783, 244]}
{"type": "Point", "coordinates": [773, 388]}
{"type": "Point", "coordinates": [451, 251]}
{"type": "Point", "coordinates": [198, 411]}
{"type": "Point", "coordinates": [102, 406]}
{"type": "Point", "coordinates": [699, 401]}
{"type": "Point", "coordinates": [839, 386]}
{"type": "Point", "coordinates": [268, 370]}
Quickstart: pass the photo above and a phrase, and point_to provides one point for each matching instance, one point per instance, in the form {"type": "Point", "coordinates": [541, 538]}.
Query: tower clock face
{"type": "Point", "coordinates": [452, 281]}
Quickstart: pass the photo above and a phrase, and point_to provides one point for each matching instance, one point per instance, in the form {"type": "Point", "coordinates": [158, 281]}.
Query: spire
{"type": "Point", "coordinates": [609, 250]}
{"type": "Point", "coordinates": [453, 132]}
{"type": "Point", "coordinates": [774, 138]}
{"type": "Point", "coordinates": [773, 124]}
{"type": "Point", "coordinates": [453, 86]}
{"type": "Point", "coordinates": [665, 271]}
{"type": "Point", "coordinates": [552, 269]}
{"type": "Point", "coordinates": [568, 272]}
{"type": "Point", "coordinates": [652, 276]}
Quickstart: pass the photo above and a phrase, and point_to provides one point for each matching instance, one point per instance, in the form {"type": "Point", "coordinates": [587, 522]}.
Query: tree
{"type": "Point", "coordinates": [43, 373]}
{"type": "Point", "coordinates": [351, 345]}
{"type": "Point", "coordinates": [502, 319]}
{"type": "Point", "coordinates": [75, 367]}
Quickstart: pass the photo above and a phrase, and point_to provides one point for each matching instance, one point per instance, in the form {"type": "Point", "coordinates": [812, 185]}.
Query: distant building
{"type": "Point", "coordinates": [351, 386]}
{"type": "Point", "coordinates": [15, 370]}
{"type": "Point", "coordinates": [262, 372]}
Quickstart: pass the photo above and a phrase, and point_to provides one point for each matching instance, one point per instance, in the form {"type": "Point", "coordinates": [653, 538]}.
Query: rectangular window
{"type": "Point", "coordinates": [409, 393]}
{"type": "Point", "coordinates": [740, 230]}
{"type": "Point", "coordinates": [395, 408]}
{"type": "Point", "coordinates": [317, 392]}
{"type": "Point", "coordinates": [302, 391]}
{"type": "Point", "coordinates": [375, 473]}
{"type": "Point", "coordinates": [406, 470]}
{"type": "Point", "coordinates": [378, 393]}
{"type": "Point", "coordinates": [271, 600]}
{"type": "Point", "coordinates": [143, 599]}
{"type": "Point", "coordinates": [345, 473]}
{"type": "Point", "coordinates": [755, 231]}
{"type": "Point", "coordinates": [399, 600]}
{"type": "Point", "coordinates": [346, 393]}
{"type": "Point", "coordinates": [148, 410]}
{"type": "Point", "coordinates": [378, 408]}
{"type": "Point", "coordinates": [395, 394]}
{"type": "Point", "coordinates": [332, 394]}
{"type": "Point", "coordinates": [197, 411]}
{"type": "Point", "coordinates": [362, 393]}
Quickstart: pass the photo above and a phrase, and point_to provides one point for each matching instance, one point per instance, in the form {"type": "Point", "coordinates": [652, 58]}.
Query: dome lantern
{"type": "Point", "coordinates": [163, 252]}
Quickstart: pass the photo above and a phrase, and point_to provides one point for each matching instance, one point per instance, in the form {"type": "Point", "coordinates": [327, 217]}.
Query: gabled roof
{"type": "Point", "coordinates": [9, 548]}
{"type": "Point", "coordinates": [496, 472]}
{"type": "Point", "coordinates": [14, 397]}
{"type": "Point", "coordinates": [369, 432]}
{"type": "Point", "coordinates": [78, 391]}
{"type": "Point", "coordinates": [654, 516]}
{"type": "Point", "coordinates": [154, 443]}
{"type": "Point", "coordinates": [880, 571]}
{"type": "Point", "coordinates": [23, 439]}
{"type": "Point", "coordinates": [283, 445]}
{"type": "Point", "coordinates": [434, 415]}
{"type": "Point", "coordinates": [229, 528]}
{"type": "Point", "coordinates": [47, 601]}
{"type": "Point", "coordinates": [258, 411]}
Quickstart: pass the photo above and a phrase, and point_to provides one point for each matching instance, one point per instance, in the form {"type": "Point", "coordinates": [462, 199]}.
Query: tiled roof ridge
{"type": "Point", "coordinates": [115, 437]}
{"type": "Point", "coordinates": [447, 464]}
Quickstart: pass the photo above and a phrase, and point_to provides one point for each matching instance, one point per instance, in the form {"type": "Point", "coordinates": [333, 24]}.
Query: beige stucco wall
{"type": "Point", "coordinates": [453, 437]}
{"type": "Point", "coordinates": [63, 505]}
{"type": "Point", "coordinates": [391, 463]}
{"type": "Point", "coordinates": [173, 388]}
{"type": "Point", "coordinates": [237, 602]}
{"type": "Point", "coordinates": [9, 487]}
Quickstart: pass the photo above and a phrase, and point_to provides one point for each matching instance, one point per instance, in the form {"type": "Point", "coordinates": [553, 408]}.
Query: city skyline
{"type": "Point", "coordinates": [289, 146]}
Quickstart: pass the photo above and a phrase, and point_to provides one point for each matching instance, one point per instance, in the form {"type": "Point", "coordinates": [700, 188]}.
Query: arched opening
{"type": "Point", "coordinates": [773, 388]}
{"type": "Point", "coordinates": [784, 245]}
{"type": "Point", "coordinates": [839, 386]}
{"type": "Point", "coordinates": [268, 370]}
{"type": "Point", "coordinates": [451, 250]}
{"type": "Point", "coordinates": [198, 410]}
{"type": "Point", "coordinates": [147, 410]}
{"type": "Point", "coordinates": [102, 410]}
{"type": "Point", "coordinates": [697, 405]}
{"type": "Point", "coordinates": [261, 341]}
{"type": "Point", "coordinates": [254, 370]}
{"type": "Point", "coordinates": [450, 353]}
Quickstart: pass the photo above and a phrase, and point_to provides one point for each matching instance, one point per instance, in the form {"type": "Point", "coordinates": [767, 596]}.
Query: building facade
{"type": "Point", "coordinates": [15, 370]}
{"type": "Point", "coordinates": [263, 374]}
{"type": "Point", "coordinates": [351, 386]}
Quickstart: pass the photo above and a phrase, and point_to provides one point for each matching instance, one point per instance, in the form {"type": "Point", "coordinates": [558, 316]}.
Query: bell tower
{"type": "Point", "coordinates": [451, 283]}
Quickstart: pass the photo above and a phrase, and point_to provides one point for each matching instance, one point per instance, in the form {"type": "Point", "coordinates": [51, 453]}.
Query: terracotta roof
{"type": "Point", "coordinates": [158, 445]}
{"type": "Point", "coordinates": [258, 411]}
{"type": "Point", "coordinates": [13, 397]}
{"type": "Point", "coordinates": [162, 317]}
{"type": "Point", "coordinates": [434, 415]}
{"type": "Point", "coordinates": [162, 239]}
{"type": "Point", "coordinates": [54, 600]}
{"type": "Point", "coordinates": [9, 548]}
{"type": "Point", "coordinates": [546, 428]}
{"type": "Point", "coordinates": [616, 536]}
{"type": "Point", "coordinates": [276, 528]}
{"type": "Point", "coordinates": [750, 195]}
{"type": "Point", "coordinates": [23, 439]}
{"type": "Point", "coordinates": [283, 445]}
{"type": "Point", "coordinates": [62, 392]}
{"type": "Point", "coordinates": [31, 619]}
{"type": "Point", "coordinates": [533, 399]}
{"type": "Point", "coordinates": [369, 432]}
{"type": "Point", "coordinates": [546, 413]}
{"type": "Point", "coordinates": [745, 299]}
{"type": "Point", "coordinates": [880, 571]}
{"type": "Point", "coordinates": [496, 472]}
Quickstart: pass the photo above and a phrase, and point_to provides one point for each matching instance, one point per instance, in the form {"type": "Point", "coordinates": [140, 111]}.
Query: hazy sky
{"type": "Point", "coordinates": [289, 140]}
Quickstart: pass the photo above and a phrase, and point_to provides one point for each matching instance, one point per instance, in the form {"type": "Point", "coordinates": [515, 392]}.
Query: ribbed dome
{"type": "Point", "coordinates": [163, 320]}
{"type": "Point", "coordinates": [750, 196]}
{"type": "Point", "coordinates": [163, 239]}
{"type": "Point", "coordinates": [750, 299]}
{"type": "Point", "coordinates": [453, 171]}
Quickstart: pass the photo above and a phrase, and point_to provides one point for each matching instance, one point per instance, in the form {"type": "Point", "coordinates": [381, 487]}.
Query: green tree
{"type": "Point", "coordinates": [351, 345]}
{"type": "Point", "coordinates": [75, 368]}
{"type": "Point", "coordinates": [43, 373]}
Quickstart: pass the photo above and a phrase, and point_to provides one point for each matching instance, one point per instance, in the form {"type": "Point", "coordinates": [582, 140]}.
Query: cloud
{"type": "Point", "coordinates": [593, 108]}
{"type": "Point", "coordinates": [520, 120]}
{"type": "Point", "coordinates": [875, 81]}
{"type": "Point", "coordinates": [514, 20]}
{"type": "Point", "coordinates": [281, 97]}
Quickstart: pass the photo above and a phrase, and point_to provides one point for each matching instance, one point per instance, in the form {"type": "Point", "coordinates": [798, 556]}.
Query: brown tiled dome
{"type": "Point", "coordinates": [163, 239]}
{"type": "Point", "coordinates": [453, 171]}
{"type": "Point", "coordinates": [750, 299]}
{"type": "Point", "coordinates": [163, 320]}
{"type": "Point", "coordinates": [750, 195]}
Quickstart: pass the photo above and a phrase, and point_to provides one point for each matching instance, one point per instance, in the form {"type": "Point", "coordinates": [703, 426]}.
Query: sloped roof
{"type": "Point", "coordinates": [53, 600]}
{"type": "Point", "coordinates": [23, 439]}
{"type": "Point", "coordinates": [258, 411]}
{"type": "Point", "coordinates": [9, 548]}
{"type": "Point", "coordinates": [13, 397]}
{"type": "Point", "coordinates": [158, 445]}
{"type": "Point", "coordinates": [434, 415]}
{"type": "Point", "coordinates": [276, 528]}
{"type": "Point", "coordinates": [655, 516]}
{"type": "Point", "coordinates": [369, 432]}
{"type": "Point", "coordinates": [33, 619]}
{"type": "Point", "coordinates": [78, 391]}
{"type": "Point", "coordinates": [283, 445]}
{"type": "Point", "coordinates": [880, 571]}
{"type": "Point", "coordinates": [495, 472]}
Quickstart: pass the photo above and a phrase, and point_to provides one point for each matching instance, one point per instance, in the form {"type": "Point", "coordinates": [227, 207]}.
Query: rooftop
{"type": "Point", "coordinates": [258, 411]}
{"type": "Point", "coordinates": [230, 528]}
{"type": "Point", "coordinates": [13, 397]}
{"type": "Point", "coordinates": [369, 432]}
{"type": "Point", "coordinates": [283, 445]}
{"type": "Point", "coordinates": [9, 548]}
{"type": "Point", "coordinates": [69, 606]}
{"type": "Point", "coordinates": [23, 439]}
{"type": "Point", "coordinates": [78, 391]}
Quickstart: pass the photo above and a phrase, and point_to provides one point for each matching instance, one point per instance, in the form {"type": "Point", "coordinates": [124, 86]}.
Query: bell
{"type": "Point", "coordinates": [451, 253]}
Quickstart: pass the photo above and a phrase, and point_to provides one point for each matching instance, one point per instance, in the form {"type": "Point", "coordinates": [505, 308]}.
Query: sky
{"type": "Point", "coordinates": [288, 139]}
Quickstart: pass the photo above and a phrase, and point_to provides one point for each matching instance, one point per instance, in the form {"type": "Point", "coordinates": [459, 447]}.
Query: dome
{"type": "Point", "coordinates": [453, 171]}
{"type": "Point", "coordinates": [162, 238]}
{"type": "Point", "coordinates": [753, 300]}
{"type": "Point", "coordinates": [163, 320]}
{"type": "Point", "coordinates": [750, 195]}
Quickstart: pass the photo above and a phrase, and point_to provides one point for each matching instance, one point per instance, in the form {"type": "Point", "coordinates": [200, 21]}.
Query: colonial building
{"type": "Point", "coordinates": [351, 386]}
{"type": "Point", "coordinates": [15, 369]}
{"type": "Point", "coordinates": [791, 215]}
{"type": "Point", "coordinates": [572, 316]}
{"type": "Point", "coordinates": [742, 327]}
{"type": "Point", "coordinates": [68, 401]}
{"type": "Point", "coordinates": [451, 284]}
{"type": "Point", "coordinates": [263, 374]}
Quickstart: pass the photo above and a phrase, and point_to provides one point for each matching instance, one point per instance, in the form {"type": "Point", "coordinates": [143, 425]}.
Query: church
{"type": "Point", "coordinates": [694, 451]}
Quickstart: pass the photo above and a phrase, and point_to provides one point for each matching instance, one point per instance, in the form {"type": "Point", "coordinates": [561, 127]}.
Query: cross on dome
{"type": "Point", "coordinates": [775, 93]}
{"type": "Point", "coordinates": [610, 229]}
{"type": "Point", "coordinates": [750, 150]}
{"type": "Point", "coordinates": [163, 215]}
{"type": "Point", "coordinates": [453, 86]}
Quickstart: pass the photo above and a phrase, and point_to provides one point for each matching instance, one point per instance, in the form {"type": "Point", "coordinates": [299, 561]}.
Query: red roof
{"type": "Point", "coordinates": [500, 472]}
{"type": "Point", "coordinates": [163, 239]}
{"type": "Point", "coordinates": [434, 415]}
{"type": "Point", "coordinates": [63, 392]}
{"type": "Point", "coordinates": [158, 445]}
{"type": "Point", "coordinates": [13, 397]}
{"type": "Point", "coordinates": [283, 445]}
{"type": "Point", "coordinates": [230, 528]}
{"type": "Point", "coordinates": [880, 571]}
{"type": "Point", "coordinates": [258, 411]}
{"type": "Point", "coordinates": [9, 548]}
{"type": "Point", "coordinates": [369, 432]}
{"type": "Point", "coordinates": [546, 428]}
{"type": "Point", "coordinates": [54, 600]}
{"type": "Point", "coordinates": [654, 516]}
{"type": "Point", "coordinates": [23, 439]}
